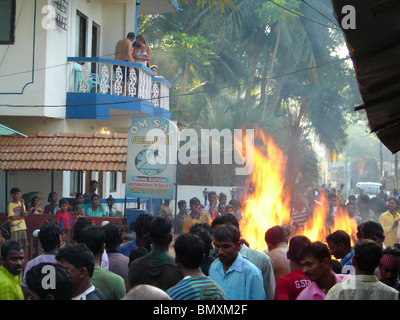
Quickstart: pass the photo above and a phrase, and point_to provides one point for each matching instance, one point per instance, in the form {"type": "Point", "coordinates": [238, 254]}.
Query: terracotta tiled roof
{"type": "Point", "coordinates": [64, 151]}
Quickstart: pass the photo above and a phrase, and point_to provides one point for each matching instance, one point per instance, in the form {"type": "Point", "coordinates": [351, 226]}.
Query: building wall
{"type": "Point", "coordinates": [35, 71]}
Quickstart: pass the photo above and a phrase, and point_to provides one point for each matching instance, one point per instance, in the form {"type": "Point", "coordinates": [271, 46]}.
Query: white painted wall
{"type": "Point", "coordinates": [50, 53]}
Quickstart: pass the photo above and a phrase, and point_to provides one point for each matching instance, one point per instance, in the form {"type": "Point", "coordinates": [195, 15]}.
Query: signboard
{"type": "Point", "coordinates": [152, 158]}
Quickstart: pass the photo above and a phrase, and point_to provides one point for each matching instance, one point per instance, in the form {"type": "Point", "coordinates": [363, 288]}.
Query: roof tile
{"type": "Point", "coordinates": [64, 151]}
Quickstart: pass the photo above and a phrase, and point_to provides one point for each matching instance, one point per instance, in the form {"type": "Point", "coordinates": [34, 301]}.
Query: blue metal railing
{"type": "Point", "coordinates": [121, 78]}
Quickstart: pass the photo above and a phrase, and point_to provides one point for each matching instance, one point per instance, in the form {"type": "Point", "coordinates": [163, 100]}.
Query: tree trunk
{"type": "Point", "coordinates": [253, 68]}
{"type": "Point", "coordinates": [269, 73]}
{"type": "Point", "coordinates": [184, 85]}
{"type": "Point", "coordinates": [294, 133]}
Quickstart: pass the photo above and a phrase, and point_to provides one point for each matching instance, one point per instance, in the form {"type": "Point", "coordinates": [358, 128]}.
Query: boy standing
{"type": "Point", "coordinates": [63, 218]}
{"type": "Point", "coordinates": [16, 214]}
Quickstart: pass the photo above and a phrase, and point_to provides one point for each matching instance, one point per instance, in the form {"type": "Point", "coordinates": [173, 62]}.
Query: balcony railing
{"type": "Point", "coordinates": [118, 78]}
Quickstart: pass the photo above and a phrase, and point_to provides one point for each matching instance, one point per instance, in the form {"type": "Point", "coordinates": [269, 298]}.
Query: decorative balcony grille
{"type": "Point", "coordinates": [118, 78]}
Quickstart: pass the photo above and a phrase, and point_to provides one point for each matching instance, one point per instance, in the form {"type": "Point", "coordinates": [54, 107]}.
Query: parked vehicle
{"type": "Point", "coordinates": [370, 188]}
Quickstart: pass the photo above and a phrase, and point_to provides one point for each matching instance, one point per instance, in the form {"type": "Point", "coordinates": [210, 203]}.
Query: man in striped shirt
{"type": "Point", "coordinates": [300, 213]}
{"type": "Point", "coordinates": [189, 253]}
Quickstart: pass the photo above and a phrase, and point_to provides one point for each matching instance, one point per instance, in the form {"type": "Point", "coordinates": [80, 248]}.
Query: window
{"type": "Point", "coordinates": [81, 32]}
{"type": "Point", "coordinates": [75, 182]}
{"type": "Point", "coordinates": [95, 44]}
{"type": "Point", "coordinates": [113, 181]}
{"type": "Point", "coordinates": [7, 21]}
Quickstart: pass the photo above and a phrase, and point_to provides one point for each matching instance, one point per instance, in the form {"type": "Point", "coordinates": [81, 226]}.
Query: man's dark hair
{"type": "Point", "coordinates": [367, 254]}
{"type": "Point", "coordinates": [15, 190]}
{"type": "Point", "coordinates": [63, 289]}
{"type": "Point", "coordinates": [62, 201]}
{"type": "Point", "coordinates": [189, 250]}
{"type": "Point", "coordinates": [130, 35]}
{"type": "Point", "coordinates": [92, 182]}
{"type": "Point", "coordinates": [33, 199]}
{"type": "Point", "coordinates": [49, 236]}
{"type": "Point", "coordinates": [372, 228]}
{"type": "Point", "coordinates": [160, 230]}
{"type": "Point", "coordinates": [181, 203]}
{"type": "Point", "coordinates": [352, 197]}
{"type": "Point", "coordinates": [78, 195]}
{"type": "Point", "coordinates": [93, 236]}
{"type": "Point", "coordinates": [137, 253]}
{"type": "Point", "coordinates": [94, 195]}
{"type": "Point", "coordinates": [79, 225]}
{"type": "Point", "coordinates": [79, 255]}
{"type": "Point", "coordinates": [225, 219]}
{"type": "Point", "coordinates": [9, 246]}
{"type": "Point", "coordinates": [317, 250]}
{"type": "Point", "coordinates": [194, 200]}
{"type": "Point", "coordinates": [142, 224]}
{"type": "Point", "coordinates": [276, 234]}
{"type": "Point", "coordinates": [227, 232]}
{"type": "Point", "coordinates": [114, 235]}
{"type": "Point", "coordinates": [339, 237]}
{"type": "Point", "coordinates": [395, 201]}
{"type": "Point", "coordinates": [364, 198]}
{"type": "Point", "coordinates": [50, 197]}
{"type": "Point", "coordinates": [205, 233]}
{"type": "Point", "coordinates": [296, 246]}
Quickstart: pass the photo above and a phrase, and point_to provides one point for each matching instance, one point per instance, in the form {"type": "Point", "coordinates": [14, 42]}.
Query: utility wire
{"type": "Point", "coordinates": [304, 17]}
{"type": "Point", "coordinates": [180, 95]}
{"type": "Point", "coordinates": [333, 22]}
{"type": "Point", "coordinates": [224, 24]}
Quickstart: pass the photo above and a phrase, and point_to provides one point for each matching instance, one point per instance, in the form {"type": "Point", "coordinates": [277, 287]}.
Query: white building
{"type": "Point", "coordinates": [57, 74]}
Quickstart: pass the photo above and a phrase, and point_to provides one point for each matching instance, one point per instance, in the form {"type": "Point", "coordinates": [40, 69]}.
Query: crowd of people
{"type": "Point", "coordinates": [200, 254]}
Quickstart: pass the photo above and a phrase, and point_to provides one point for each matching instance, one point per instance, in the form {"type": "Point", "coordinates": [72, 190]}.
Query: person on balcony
{"type": "Point", "coordinates": [93, 185]}
{"type": "Point", "coordinates": [123, 52]}
{"type": "Point", "coordinates": [96, 209]}
{"type": "Point", "coordinates": [123, 49]}
{"type": "Point", "coordinates": [52, 207]}
{"type": "Point", "coordinates": [142, 53]}
{"type": "Point", "coordinates": [154, 68]}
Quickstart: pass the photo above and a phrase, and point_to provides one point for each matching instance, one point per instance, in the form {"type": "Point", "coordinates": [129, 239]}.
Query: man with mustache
{"type": "Point", "coordinates": [316, 262]}
{"type": "Point", "coordinates": [239, 278]}
{"type": "Point", "coordinates": [12, 260]}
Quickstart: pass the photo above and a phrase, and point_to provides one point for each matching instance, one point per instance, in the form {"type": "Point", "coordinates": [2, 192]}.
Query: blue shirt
{"type": "Point", "coordinates": [127, 247]}
{"type": "Point", "coordinates": [242, 281]}
{"type": "Point", "coordinates": [347, 259]}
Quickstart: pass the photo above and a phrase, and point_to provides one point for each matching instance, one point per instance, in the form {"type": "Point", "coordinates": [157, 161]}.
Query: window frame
{"type": "Point", "coordinates": [11, 36]}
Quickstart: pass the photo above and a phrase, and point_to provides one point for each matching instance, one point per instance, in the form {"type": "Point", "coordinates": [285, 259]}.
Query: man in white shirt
{"type": "Point", "coordinates": [364, 285]}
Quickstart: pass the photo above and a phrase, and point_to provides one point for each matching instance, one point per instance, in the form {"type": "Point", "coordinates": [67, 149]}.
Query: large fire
{"type": "Point", "coordinates": [268, 205]}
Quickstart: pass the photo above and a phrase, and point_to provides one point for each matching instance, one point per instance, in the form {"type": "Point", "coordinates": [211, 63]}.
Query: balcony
{"type": "Point", "coordinates": [98, 85]}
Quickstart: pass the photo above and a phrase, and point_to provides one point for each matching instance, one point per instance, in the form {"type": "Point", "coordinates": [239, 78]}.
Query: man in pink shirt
{"type": "Point", "coordinates": [316, 262]}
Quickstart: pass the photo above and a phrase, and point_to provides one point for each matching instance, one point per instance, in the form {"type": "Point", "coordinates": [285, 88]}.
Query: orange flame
{"type": "Point", "coordinates": [317, 228]}
{"type": "Point", "coordinates": [268, 205]}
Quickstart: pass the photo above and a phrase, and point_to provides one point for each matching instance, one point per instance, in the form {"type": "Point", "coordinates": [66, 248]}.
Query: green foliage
{"type": "Point", "coordinates": [194, 50]}
{"type": "Point", "coordinates": [254, 66]}
{"type": "Point", "coordinates": [272, 12]}
{"type": "Point", "coordinates": [212, 3]}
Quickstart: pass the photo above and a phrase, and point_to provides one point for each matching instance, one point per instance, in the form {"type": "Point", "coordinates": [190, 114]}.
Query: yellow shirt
{"type": "Point", "coordinates": [189, 221]}
{"type": "Point", "coordinates": [15, 210]}
{"type": "Point", "coordinates": [386, 219]}
{"type": "Point", "coordinates": [10, 286]}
